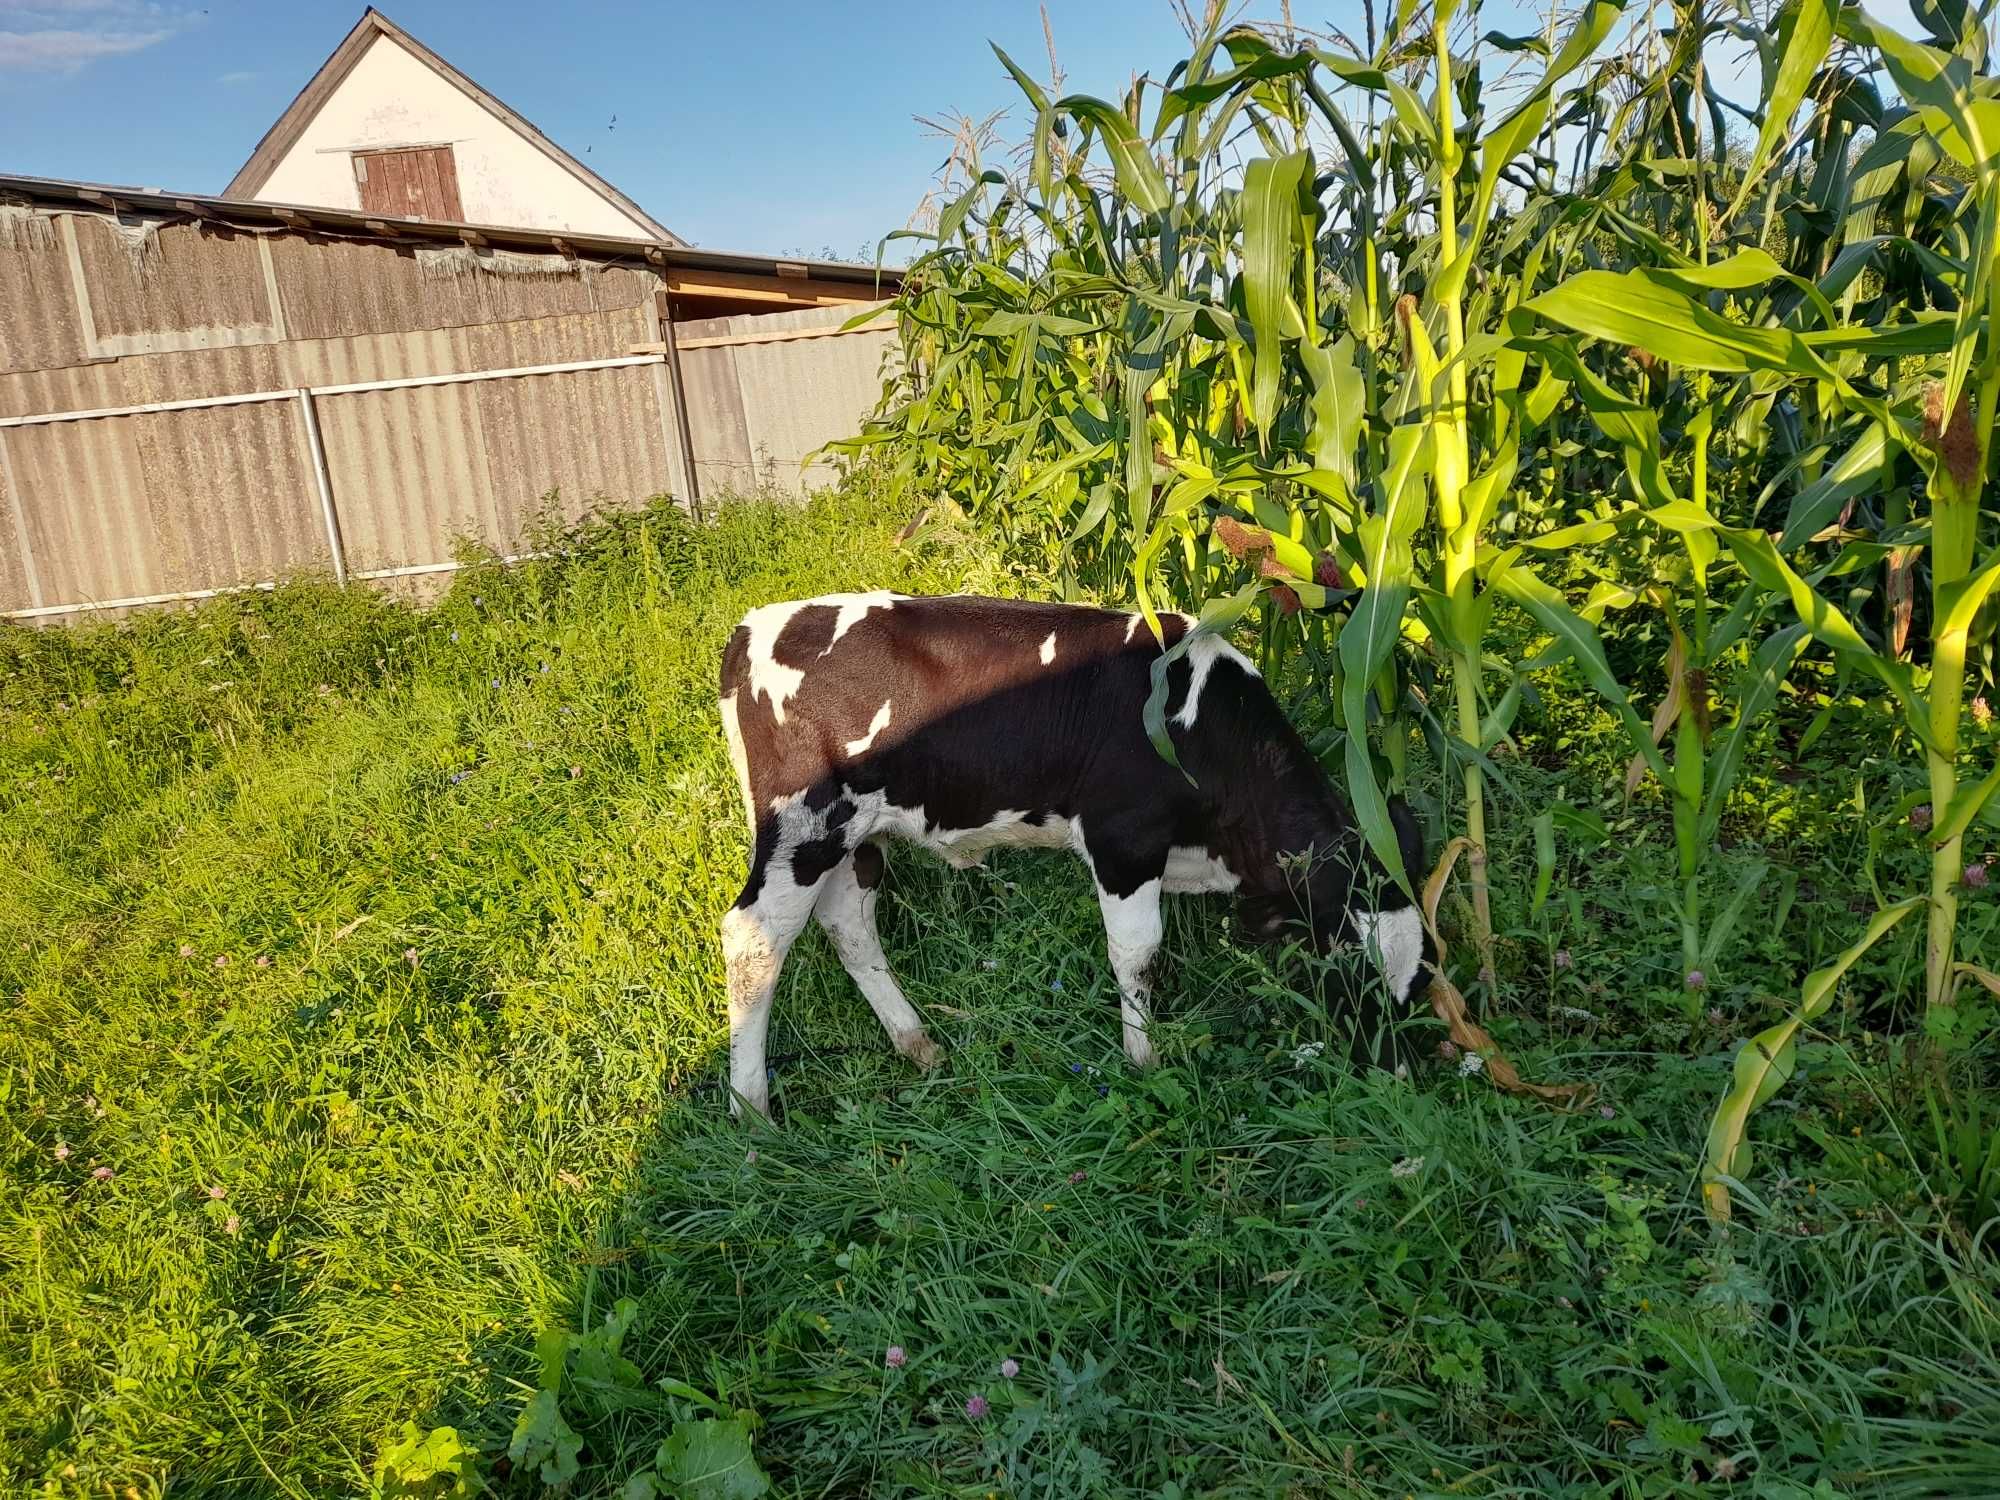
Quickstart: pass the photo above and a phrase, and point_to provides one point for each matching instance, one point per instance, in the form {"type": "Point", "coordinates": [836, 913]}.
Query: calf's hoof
{"type": "Point", "coordinates": [921, 1050]}
{"type": "Point", "coordinates": [1139, 1050]}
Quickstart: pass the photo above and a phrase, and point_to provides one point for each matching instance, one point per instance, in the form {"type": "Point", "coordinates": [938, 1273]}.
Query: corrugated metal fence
{"type": "Point", "coordinates": [185, 410]}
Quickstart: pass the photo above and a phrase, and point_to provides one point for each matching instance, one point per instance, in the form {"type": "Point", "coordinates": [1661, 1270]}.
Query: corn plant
{"type": "Point", "coordinates": [1331, 347]}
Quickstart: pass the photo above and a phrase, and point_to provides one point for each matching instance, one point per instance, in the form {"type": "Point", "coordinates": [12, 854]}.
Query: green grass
{"type": "Point", "coordinates": [456, 1087]}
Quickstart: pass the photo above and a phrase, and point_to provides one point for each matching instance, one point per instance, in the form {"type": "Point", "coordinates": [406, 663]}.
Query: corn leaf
{"type": "Point", "coordinates": [1270, 229]}
{"type": "Point", "coordinates": [1759, 558]}
{"type": "Point", "coordinates": [1967, 805]}
{"type": "Point", "coordinates": [1374, 626]}
{"type": "Point", "coordinates": [1517, 131]}
{"type": "Point", "coordinates": [1805, 32]}
{"type": "Point", "coordinates": [1336, 409]}
{"type": "Point", "coordinates": [1630, 308]}
{"type": "Point", "coordinates": [1865, 468]}
{"type": "Point", "coordinates": [1139, 176]}
{"type": "Point", "coordinates": [1965, 117]}
{"type": "Point", "coordinates": [1554, 615]}
{"type": "Point", "coordinates": [1766, 1062]}
{"type": "Point", "coordinates": [1756, 692]}
{"type": "Point", "coordinates": [1545, 857]}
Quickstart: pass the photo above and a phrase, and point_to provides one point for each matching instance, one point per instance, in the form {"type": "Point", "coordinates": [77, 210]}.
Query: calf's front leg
{"type": "Point", "coordinates": [1130, 870]}
{"type": "Point", "coordinates": [1128, 894]}
{"type": "Point", "coordinates": [1132, 929]}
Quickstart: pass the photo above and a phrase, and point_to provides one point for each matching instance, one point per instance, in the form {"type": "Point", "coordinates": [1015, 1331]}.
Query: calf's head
{"type": "Point", "coordinates": [1336, 893]}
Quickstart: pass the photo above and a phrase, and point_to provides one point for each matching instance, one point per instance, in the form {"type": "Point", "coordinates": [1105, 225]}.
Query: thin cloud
{"type": "Point", "coordinates": [242, 75]}
{"type": "Point", "coordinates": [55, 13]}
{"type": "Point", "coordinates": [64, 36]}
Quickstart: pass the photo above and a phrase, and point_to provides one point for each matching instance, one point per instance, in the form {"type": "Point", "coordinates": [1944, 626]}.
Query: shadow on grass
{"type": "Point", "coordinates": [1251, 1271]}
{"type": "Point", "coordinates": [1032, 1269]}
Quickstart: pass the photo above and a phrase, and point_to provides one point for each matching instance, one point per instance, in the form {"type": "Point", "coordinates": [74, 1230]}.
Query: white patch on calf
{"type": "Point", "coordinates": [1049, 649]}
{"type": "Point", "coordinates": [853, 609]}
{"type": "Point", "coordinates": [1132, 929]}
{"type": "Point", "coordinates": [1133, 623]}
{"type": "Point", "coordinates": [756, 938]}
{"type": "Point", "coordinates": [752, 958]}
{"type": "Point", "coordinates": [1191, 871]}
{"type": "Point", "coordinates": [875, 727]}
{"type": "Point", "coordinates": [1395, 940]}
{"type": "Point", "coordinates": [846, 909]}
{"type": "Point", "coordinates": [1202, 657]}
{"type": "Point", "coordinates": [739, 758]}
{"type": "Point", "coordinates": [770, 678]}
{"type": "Point", "coordinates": [963, 848]}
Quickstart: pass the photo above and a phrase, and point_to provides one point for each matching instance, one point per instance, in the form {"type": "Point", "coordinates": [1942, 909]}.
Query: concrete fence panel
{"type": "Point", "coordinates": [155, 387]}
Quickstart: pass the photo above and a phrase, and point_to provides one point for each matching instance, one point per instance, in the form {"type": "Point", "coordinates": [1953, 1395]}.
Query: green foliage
{"type": "Point", "coordinates": [1415, 387]}
{"type": "Point", "coordinates": [498, 1180]}
{"type": "Point", "coordinates": [427, 1463]}
{"type": "Point", "coordinates": [709, 1459]}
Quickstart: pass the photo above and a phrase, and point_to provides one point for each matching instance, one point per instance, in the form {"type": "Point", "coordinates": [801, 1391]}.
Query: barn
{"type": "Point", "coordinates": [410, 321]}
{"type": "Point", "coordinates": [387, 125]}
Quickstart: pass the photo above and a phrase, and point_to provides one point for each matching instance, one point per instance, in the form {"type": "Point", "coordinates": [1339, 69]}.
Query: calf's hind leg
{"type": "Point", "coordinates": [846, 909]}
{"type": "Point", "coordinates": [756, 935]}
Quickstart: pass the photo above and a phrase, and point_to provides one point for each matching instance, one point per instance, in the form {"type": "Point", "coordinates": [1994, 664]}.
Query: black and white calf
{"type": "Point", "coordinates": [965, 723]}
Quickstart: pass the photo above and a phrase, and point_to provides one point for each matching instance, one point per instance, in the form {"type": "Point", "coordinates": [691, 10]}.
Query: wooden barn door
{"type": "Point", "coordinates": [420, 183]}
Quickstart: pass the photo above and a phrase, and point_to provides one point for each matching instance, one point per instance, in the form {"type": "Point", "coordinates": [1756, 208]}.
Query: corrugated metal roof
{"type": "Point", "coordinates": [151, 202]}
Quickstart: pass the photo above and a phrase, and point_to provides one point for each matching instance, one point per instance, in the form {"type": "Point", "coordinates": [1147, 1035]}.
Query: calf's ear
{"type": "Point", "coordinates": [1410, 841]}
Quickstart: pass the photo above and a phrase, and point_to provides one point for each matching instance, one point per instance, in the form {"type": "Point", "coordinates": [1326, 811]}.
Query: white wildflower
{"type": "Point", "coordinates": [1409, 1166]}
{"type": "Point", "coordinates": [1471, 1064]}
{"type": "Point", "coordinates": [1309, 1053]}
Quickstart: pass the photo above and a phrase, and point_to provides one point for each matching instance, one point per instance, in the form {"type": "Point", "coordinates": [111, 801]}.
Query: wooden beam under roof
{"type": "Point", "coordinates": [791, 291]}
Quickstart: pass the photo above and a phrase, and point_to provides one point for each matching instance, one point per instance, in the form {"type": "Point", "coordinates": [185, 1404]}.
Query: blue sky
{"type": "Point", "coordinates": [778, 127]}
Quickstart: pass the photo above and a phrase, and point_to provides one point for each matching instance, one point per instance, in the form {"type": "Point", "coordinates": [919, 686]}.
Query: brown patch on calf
{"type": "Point", "coordinates": [805, 636]}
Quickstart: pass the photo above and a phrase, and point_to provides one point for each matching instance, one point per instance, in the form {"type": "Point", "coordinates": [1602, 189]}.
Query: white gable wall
{"type": "Point", "coordinates": [391, 98]}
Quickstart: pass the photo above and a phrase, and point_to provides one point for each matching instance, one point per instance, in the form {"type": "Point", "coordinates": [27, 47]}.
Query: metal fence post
{"type": "Point", "coordinates": [663, 307]}
{"type": "Point", "coordinates": [326, 510]}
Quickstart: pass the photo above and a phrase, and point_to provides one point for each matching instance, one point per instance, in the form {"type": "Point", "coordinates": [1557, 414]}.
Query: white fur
{"type": "Point", "coordinates": [853, 608]}
{"type": "Point", "coordinates": [755, 941]}
{"type": "Point", "coordinates": [1132, 928]}
{"type": "Point", "coordinates": [875, 727]}
{"type": "Point", "coordinates": [1049, 649]}
{"type": "Point", "coordinates": [769, 678]}
{"type": "Point", "coordinates": [965, 847]}
{"type": "Point", "coordinates": [1395, 940]}
{"type": "Point", "coordinates": [1202, 657]}
{"type": "Point", "coordinates": [1194, 870]}
{"type": "Point", "coordinates": [1135, 623]}
{"type": "Point", "coordinates": [846, 909]}
{"type": "Point", "coordinates": [739, 759]}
